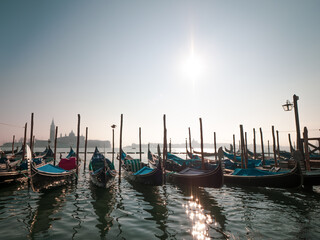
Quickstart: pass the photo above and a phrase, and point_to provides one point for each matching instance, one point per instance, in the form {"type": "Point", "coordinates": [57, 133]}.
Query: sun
{"type": "Point", "coordinates": [192, 67]}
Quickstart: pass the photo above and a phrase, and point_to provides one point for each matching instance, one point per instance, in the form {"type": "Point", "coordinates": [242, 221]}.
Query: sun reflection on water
{"type": "Point", "coordinates": [200, 220]}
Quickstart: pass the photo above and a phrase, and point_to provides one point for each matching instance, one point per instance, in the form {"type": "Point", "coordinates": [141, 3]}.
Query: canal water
{"type": "Point", "coordinates": [125, 211]}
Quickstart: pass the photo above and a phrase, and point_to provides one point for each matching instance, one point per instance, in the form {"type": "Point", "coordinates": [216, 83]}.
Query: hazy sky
{"type": "Point", "coordinates": [229, 62]}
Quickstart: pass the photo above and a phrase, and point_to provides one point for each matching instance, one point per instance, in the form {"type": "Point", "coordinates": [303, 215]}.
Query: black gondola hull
{"type": "Point", "coordinates": [292, 179]}
{"type": "Point", "coordinates": [154, 178]}
{"type": "Point", "coordinates": [204, 178]}
{"type": "Point", "coordinates": [45, 180]}
{"type": "Point", "coordinates": [102, 179]}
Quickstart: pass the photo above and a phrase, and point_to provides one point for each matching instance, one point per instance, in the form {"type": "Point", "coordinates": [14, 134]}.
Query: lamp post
{"type": "Point", "coordinates": [113, 127]}
{"type": "Point", "coordinates": [288, 107]}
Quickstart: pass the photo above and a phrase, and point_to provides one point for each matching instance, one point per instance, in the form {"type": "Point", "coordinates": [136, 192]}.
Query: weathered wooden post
{"type": "Point", "coordinates": [262, 147]}
{"type": "Point", "coordinates": [13, 144]}
{"type": "Point", "coordinates": [215, 146]}
{"type": "Point", "coordinates": [55, 146]}
{"type": "Point", "coordinates": [291, 148]}
{"type": "Point", "coordinates": [296, 114]}
{"type": "Point", "coordinates": [274, 148]}
{"type": "Point", "coordinates": [186, 149]}
{"type": "Point", "coordinates": [234, 148]}
{"type": "Point", "coordinates": [254, 144]}
{"type": "Point", "coordinates": [278, 145]}
{"type": "Point", "coordinates": [202, 155]}
{"type": "Point", "coordinates": [120, 147]}
{"type": "Point", "coordinates": [190, 140]}
{"type": "Point", "coordinates": [306, 149]}
{"type": "Point", "coordinates": [164, 153]}
{"type": "Point", "coordinates": [113, 126]}
{"type": "Point", "coordinates": [24, 141]}
{"type": "Point", "coordinates": [242, 147]}
{"type": "Point", "coordinates": [31, 134]}
{"type": "Point", "coordinates": [170, 146]}
{"type": "Point", "coordinates": [140, 144]}
{"type": "Point", "coordinates": [33, 140]}
{"type": "Point", "coordinates": [245, 150]}
{"type": "Point", "coordinates": [78, 144]}
{"type": "Point", "coordinates": [85, 149]}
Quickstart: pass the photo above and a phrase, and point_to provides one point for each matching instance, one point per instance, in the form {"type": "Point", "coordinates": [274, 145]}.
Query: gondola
{"type": "Point", "coordinates": [48, 176]}
{"type": "Point", "coordinates": [10, 151]}
{"type": "Point", "coordinates": [197, 177]}
{"type": "Point", "coordinates": [205, 154]}
{"type": "Point", "coordinates": [16, 169]}
{"type": "Point", "coordinates": [252, 163]}
{"type": "Point", "coordinates": [138, 172]}
{"type": "Point", "coordinates": [102, 171]}
{"type": "Point", "coordinates": [71, 153]}
{"type": "Point", "coordinates": [262, 178]}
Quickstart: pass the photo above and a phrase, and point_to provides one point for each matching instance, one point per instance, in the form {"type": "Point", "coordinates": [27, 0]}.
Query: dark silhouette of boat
{"type": "Point", "coordinates": [102, 171]}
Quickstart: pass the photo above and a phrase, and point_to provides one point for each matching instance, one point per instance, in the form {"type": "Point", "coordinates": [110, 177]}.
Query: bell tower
{"type": "Point", "coordinates": [52, 131]}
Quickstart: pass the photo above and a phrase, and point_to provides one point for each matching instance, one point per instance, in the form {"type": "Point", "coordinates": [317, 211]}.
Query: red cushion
{"type": "Point", "coordinates": [68, 164]}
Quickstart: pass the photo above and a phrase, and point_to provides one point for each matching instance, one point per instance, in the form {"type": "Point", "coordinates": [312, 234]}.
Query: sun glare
{"type": "Point", "coordinates": [192, 67]}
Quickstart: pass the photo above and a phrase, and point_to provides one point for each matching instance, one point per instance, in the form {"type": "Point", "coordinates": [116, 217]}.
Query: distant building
{"type": "Point", "coordinates": [64, 141]}
{"type": "Point", "coordinates": [52, 131]}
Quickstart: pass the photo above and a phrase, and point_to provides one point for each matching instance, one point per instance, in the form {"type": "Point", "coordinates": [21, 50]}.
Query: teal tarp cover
{"type": "Point", "coordinates": [52, 169]}
{"type": "Point", "coordinates": [180, 160]}
{"type": "Point", "coordinates": [144, 170]}
{"type": "Point", "coordinates": [253, 172]}
{"type": "Point", "coordinates": [134, 163]}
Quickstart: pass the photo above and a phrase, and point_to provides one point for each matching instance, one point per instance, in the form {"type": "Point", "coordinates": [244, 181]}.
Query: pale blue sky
{"type": "Point", "coordinates": [104, 58]}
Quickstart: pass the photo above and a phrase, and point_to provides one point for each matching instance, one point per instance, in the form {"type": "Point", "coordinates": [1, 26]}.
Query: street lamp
{"type": "Point", "coordinates": [288, 107]}
{"type": "Point", "coordinates": [113, 126]}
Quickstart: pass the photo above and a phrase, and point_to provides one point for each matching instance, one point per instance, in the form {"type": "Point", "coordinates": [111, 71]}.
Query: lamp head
{"type": "Point", "coordinates": [288, 106]}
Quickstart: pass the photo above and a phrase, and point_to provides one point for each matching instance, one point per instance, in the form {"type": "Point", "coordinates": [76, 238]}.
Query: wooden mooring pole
{"type": "Point", "coordinates": [242, 147]}
{"type": "Point", "coordinates": [278, 145]}
{"type": "Point", "coordinates": [164, 153]}
{"type": "Point", "coordinates": [246, 150]}
{"type": "Point", "coordinates": [120, 147]}
{"type": "Point", "coordinates": [254, 144]}
{"type": "Point", "coordinates": [306, 148]}
{"type": "Point", "coordinates": [55, 146]}
{"type": "Point", "coordinates": [274, 148]}
{"type": "Point", "coordinates": [24, 141]}
{"type": "Point", "coordinates": [234, 148]}
{"type": "Point", "coordinates": [202, 155]}
{"type": "Point", "coordinates": [78, 144]}
{"type": "Point", "coordinates": [31, 135]}
{"type": "Point", "coordinates": [290, 143]}
{"type": "Point", "coordinates": [140, 154]}
{"type": "Point", "coordinates": [262, 147]}
{"type": "Point", "coordinates": [190, 140]}
{"type": "Point", "coordinates": [186, 148]}
{"type": "Point", "coordinates": [215, 147]}
{"type": "Point", "coordinates": [85, 150]}
{"type": "Point", "coordinates": [13, 144]}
